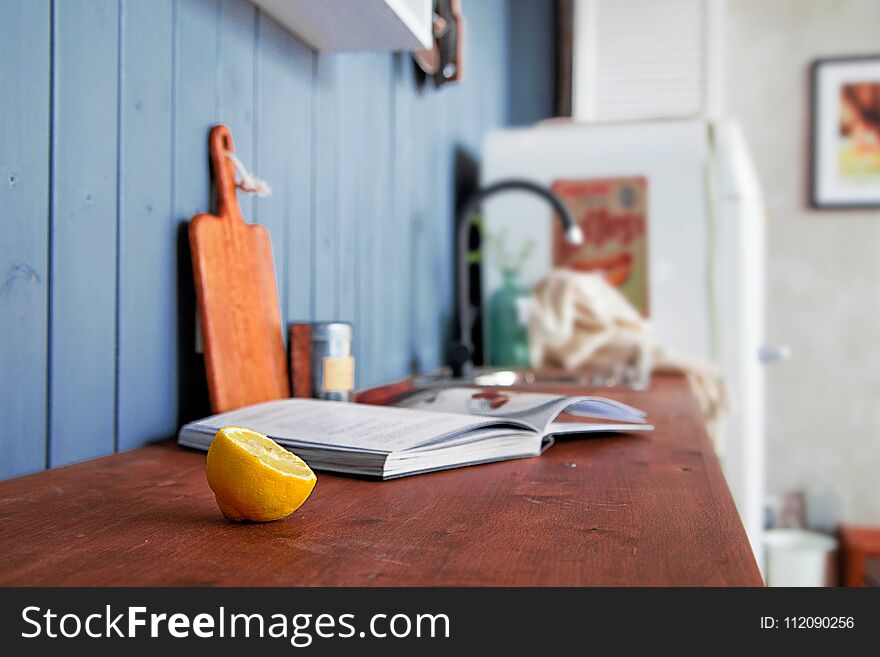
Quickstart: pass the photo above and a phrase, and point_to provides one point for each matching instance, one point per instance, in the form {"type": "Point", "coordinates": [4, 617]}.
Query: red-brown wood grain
{"type": "Point", "coordinates": [237, 296]}
{"type": "Point", "coordinates": [300, 347]}
{"type": "Point", "coordinates": [857, 545]}
{"type": "Point", "coordinates": [618, 510]}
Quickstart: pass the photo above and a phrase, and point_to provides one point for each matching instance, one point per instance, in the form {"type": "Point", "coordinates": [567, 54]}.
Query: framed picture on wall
{"type": "Point", "coordinates": [846, 133]}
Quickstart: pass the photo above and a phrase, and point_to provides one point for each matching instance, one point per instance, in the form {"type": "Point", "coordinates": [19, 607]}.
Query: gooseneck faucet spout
{"type": "Point", "coordinates": [460, 353]}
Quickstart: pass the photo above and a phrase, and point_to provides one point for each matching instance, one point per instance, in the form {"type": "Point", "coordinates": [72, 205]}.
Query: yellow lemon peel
{"type": "Point", "coordinates": [254, 478]}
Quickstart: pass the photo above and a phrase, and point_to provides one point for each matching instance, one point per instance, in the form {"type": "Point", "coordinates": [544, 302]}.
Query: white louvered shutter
{"type": "Point", "coordinates": [641, 59]}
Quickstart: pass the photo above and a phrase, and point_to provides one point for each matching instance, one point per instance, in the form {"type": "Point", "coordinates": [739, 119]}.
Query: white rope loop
{"type": "Point", "coordinates": [246, 181]}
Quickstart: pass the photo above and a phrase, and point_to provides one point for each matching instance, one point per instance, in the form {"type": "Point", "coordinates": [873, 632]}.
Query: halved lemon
{"type": "Point", "coordinates": [254, 478]}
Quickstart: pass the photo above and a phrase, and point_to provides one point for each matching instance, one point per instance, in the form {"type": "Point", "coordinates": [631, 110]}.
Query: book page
{"type": "Point", "coordinates": [344, 425]}
{"type": "Point", "coordinates": [479, 401]}
{"type": "Point", "coordinates": [560, 428]}
{"type": "Point", "coordinates": [535, 409]}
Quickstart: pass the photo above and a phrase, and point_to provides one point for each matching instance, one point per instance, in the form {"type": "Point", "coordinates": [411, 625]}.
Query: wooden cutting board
{"type": "Point", "coordinates": [237, 296]}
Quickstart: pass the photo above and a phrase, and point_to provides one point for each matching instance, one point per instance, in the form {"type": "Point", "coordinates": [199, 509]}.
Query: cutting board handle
{"type": "Point", "coordinates": [224, 176]}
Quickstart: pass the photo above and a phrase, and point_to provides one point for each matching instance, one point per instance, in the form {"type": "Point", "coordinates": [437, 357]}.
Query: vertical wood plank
{"type": "Point", "coordinates": [349, 94]}
{"type": "Point", "coordinates": [436, 279]}
{"type": "Point", "coordinates": [147, 379]}
{"type": "Point", "coordinates": [195, 111]}
{"type": "Point", "coordinates": [325, 182]}
{"type": "Point", "coordinates": [299, 64]}
{"type": "Point", "coordinates": [422, 309]}
{"type": "Point", "coordinates": [367, 219]}
{"type": "Point", "coordinates": [531, 50]}
{"type": "Point", "coordinates": [366, 216]}
{"type": "Point", "coordinates": [195, 63]}
{"type": "Point", "coordinates": [402, 337]}
{"type": "Point", "coordinates": [375, 226]}
{"type": "Point", "coordinates": [486, 88]}
{"type": "Point", "coordinates": [236, 79]}
{"type": "Point", "coordinates": [498, 83]}
{"type": "Point", "coordinates": [25, 76]}
{"type": "Point", "coordinates": [273, 98]}
{"type": "Point", "coordinates": [83, 300]}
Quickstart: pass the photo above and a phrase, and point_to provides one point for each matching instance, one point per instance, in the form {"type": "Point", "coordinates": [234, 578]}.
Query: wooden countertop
{"type": "Point", "coordinates": [650, 510]}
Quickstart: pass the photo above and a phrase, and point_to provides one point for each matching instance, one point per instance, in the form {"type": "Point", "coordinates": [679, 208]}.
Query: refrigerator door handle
{"type": "Point", "coordinates": [769, 353]}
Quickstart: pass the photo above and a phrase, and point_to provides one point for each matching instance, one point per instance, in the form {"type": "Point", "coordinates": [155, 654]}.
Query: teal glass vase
{"type": "Point", "coordinates": [508, 330]}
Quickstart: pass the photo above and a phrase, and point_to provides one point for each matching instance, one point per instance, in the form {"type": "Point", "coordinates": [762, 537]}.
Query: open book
{"type": "Point", "coordinates": [430, 430]}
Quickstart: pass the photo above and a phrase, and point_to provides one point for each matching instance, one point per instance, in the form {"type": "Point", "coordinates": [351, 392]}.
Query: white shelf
{"type": "Point", "coordinates": [355, 25]}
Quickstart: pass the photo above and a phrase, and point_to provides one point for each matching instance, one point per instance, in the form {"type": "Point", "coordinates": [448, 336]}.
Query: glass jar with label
{"type": "Point", "coordinates": [332, 362]}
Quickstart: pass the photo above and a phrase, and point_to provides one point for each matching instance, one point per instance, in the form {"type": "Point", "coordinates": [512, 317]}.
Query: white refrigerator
{"type": "Point", "coordinates": [706, 254]}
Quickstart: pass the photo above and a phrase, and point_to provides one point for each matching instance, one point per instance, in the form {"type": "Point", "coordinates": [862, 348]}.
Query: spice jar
{"type": "Point", "coordinates": [332, 362]}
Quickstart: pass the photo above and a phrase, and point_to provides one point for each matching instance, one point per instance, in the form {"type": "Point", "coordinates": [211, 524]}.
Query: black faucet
{"type": "Point", "coordinates": [459, 353]}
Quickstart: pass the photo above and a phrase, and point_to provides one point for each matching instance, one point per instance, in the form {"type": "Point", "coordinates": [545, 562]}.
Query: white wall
{"type": "Point", "coordinates": [824, 266]}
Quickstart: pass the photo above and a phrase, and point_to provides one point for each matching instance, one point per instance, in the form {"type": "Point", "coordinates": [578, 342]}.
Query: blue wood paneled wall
{"type": "Point", "coordinates": [105, 107]}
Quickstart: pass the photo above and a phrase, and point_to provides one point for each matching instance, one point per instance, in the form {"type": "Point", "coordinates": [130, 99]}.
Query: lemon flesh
{"type": "Point", "coordinates": [254, 478]}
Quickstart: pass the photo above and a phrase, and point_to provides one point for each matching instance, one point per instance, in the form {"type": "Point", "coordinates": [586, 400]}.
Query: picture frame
{"type": "Point", "coordinates": [845, 133]}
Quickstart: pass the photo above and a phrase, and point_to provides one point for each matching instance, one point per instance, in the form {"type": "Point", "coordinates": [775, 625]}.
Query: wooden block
{"type": "Point", "coordinates": [300, 339]}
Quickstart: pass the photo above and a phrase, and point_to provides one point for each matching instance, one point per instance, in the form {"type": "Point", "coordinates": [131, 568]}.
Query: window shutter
{"type": "Point", "coordinates": [639, 59]}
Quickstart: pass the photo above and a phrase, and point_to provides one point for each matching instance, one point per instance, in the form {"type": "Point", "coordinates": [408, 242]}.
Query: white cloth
{"type": "Point", "coordinates": [580, 322]}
